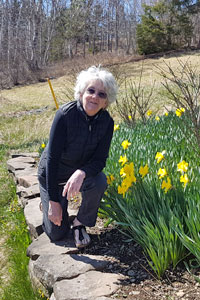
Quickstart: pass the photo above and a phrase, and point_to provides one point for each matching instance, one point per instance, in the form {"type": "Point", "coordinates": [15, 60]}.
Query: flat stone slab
{"type": "Point", "coordinates": [27, 180]}
{"type": "Point", "coordinates": [99, 298]}
{"type": "Point", "coordinates": [28, 154]}
{"type": "Point", "coordinates": [34, 217]}
{"type": "Point", "coordinates": [30, 192]}
{"type": "Point", "coordinates": [42, 245]}
{"type": "Point", "coordinates": [20, 163]}
{"type": "Point", "coordinates": [88, 286]}
{"type": "Point", "coordinates": [51, 268]}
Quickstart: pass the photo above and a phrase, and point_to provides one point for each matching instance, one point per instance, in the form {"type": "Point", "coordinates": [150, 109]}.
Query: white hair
{"type": "Point", "coordinates": [93, 73]}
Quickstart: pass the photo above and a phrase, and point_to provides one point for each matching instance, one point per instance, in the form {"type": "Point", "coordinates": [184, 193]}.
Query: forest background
{"type": "Point", "coordinates": [35, 34]}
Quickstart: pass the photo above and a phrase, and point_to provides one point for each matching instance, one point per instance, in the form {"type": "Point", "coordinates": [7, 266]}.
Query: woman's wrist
{"type": "Point", "coordinates": [82, 173]}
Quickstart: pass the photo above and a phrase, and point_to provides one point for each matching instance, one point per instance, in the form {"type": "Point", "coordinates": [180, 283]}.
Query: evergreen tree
{"type": "Point", "coordinates": [165, 26]}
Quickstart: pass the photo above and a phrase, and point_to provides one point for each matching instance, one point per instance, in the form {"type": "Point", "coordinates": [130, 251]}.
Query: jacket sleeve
{"type": "Point", "coordinates": [55, 147]}
{"type": "Point", "coordinates": [98, 160]}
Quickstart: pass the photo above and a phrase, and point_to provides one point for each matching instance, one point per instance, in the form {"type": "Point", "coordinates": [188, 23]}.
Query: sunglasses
{"type": "Point", "coordinates": [101, 95]}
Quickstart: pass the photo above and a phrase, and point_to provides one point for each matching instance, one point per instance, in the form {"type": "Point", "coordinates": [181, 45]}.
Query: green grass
{"type": "Point", "coordinates": [14, 279]}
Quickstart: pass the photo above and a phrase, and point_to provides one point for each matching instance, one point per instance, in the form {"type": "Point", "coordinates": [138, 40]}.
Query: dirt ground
{"type": "Point", "coordinates": [140, 283]}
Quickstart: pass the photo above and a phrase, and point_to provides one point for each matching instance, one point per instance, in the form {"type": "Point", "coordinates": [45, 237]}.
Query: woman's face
{"type": "Point", "coordinates": [94, 97]}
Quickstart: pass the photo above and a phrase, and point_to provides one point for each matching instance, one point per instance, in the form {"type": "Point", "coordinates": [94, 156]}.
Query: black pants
{"type": "Point", "coordinates": [92, 191]}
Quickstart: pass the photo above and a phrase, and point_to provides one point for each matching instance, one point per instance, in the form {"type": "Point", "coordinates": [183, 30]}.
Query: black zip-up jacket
{"type": "Point", "coordinates": [76, 142]}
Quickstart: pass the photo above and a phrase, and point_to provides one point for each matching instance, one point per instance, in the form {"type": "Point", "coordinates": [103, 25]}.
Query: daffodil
{"type": "Point", "coordinates": [162, 172]}
{"type": "Point", "coordinates": [125, 144]}
{"type": "Point", "coordinates": [149, 113]}
{"type": "Point", "coordinates": [166, 114]}
{"type": "Point", "coordinates": [123, 159]}
{"type": "Point", "coordinates": [159, 156]}
{"type": "Point", "coordinates": [116, 127]}
{"type": "Point", "coordinates": [179, 111]}
{"type": "Point", "coordinates": [166, 185]}
{"type": "Point", "coordinates": [157, 118]}
{"type": "Point", "coordinates": [184, 179]}
{"type": "Point", "coordinates": [144, 170]}
{"type": "Point", "coordinates": [110, 179]}
{"type": "Point", "coordinates": [127, 172]}
{"type": "Point", "coordinates": [122, 190]}
{"type": "Point", "coordinates": [129, 117]}
{"type": "Point", "coordinates": [43, 145]}
{"type": "Point", "coordinates": [182, 166]}
{"type": "Point", "coordinates": [129, 169]}
{"type": "Point", "coordinates": [127, 182]}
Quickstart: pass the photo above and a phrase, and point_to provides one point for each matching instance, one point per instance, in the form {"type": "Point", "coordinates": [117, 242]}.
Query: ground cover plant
{"type": "Point", "coordinates": [15, 282]}
{"type": "Point", "coordinates": [153, 177]}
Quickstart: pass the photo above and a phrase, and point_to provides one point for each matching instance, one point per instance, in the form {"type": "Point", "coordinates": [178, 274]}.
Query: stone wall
{"type": "Point", "coordinates": [58, 269]}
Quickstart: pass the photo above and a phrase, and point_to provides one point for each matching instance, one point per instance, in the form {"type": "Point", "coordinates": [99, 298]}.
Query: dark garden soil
{"type": "Point", "coordinates": [140, 282]}
{"type": "Point", "coordinates": [128, 259]}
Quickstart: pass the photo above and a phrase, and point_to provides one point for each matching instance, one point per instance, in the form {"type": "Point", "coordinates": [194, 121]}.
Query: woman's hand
{"type": "Point", "coordinates": [73, 185]}
{"type": "Point", "coordinates": [55, 212]}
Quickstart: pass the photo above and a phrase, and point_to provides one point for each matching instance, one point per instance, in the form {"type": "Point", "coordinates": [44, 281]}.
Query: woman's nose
{"type": "Point", "coordinates": [95, 95]}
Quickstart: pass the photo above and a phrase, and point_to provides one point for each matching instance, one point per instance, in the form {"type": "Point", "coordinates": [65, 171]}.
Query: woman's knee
{"type": "Point", "coordinates": [101, 181]}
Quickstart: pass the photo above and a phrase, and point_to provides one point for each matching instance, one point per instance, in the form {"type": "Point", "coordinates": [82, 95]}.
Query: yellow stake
{"type": "Point", "coordinates": [54, 97]}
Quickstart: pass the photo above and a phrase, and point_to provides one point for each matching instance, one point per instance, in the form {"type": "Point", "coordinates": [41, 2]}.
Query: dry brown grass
{"type": "Point", "coordinates": [23, 130]}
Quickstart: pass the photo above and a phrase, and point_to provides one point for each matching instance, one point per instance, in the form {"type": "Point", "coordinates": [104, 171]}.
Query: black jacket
{"type": "Point", "coordinates": [76, 142]}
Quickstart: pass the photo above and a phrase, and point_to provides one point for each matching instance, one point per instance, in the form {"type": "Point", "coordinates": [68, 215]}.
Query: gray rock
{"type": "Point", "coordinates": [20, 163]}
{"type": "Point", "coordinates": [23, 159]}
{"type": "Point", "coordinates": [34, 217]}
{"type": "Point", "coordinates": [103, 298]}
{"type": "Point", "coordinates": [27, 180]}
{"type": "Point", "coordinates": [30, 192]}
{"type": "Point", "coordinates": [36, 284]}
{"type": "Point", "coordinates": [88, 286]}
{"type": "Point", "coordinates": [99, 298]}
{"type": "Point", "coordinates": [30, 154]}
{"type": "Point", "coordinates": [43, 245]}
{"type": "Point", "coordinates": [52, 297]}
{"type": "Point", "coordinates": [27, 171]}
{"type": "Point", "coordinates": [51, 268]}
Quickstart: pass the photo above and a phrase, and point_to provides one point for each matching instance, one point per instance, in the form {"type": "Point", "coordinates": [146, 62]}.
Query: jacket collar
{"type": "Point", "coordinates": [83, 113]}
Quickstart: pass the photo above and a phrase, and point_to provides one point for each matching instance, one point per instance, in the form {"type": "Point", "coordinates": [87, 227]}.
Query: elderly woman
{"type": "Point", "coordinates": [75, 156]}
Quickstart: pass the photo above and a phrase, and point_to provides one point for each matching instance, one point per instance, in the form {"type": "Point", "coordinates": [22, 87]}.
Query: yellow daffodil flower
{"type": "Point", "coordinates": [162, 173]}
{"type": "Point", "coordinates": [166, 114]}
{"type": "Point", "coordinates": [123, 159]}
{"type": "Point", "coordinates": [149, 113]}
{"type": "Point", "coordinates": [159, 156]}
{"type": "Point", "coordinates": [126, 183]}
{"type": "Point", "coordinates": [184, 179]}
{"type": "Point", "coordinates": [125, 144]}
{"type": "Point", "coordinates": [182, 166]}
{"type": "Point", "coordinates": [180, 111]}
{"type": "Point", "coordinates": [144, 170]}
{"type": "Point", "coordinates": [129, 117]}
{"type": "Point", "coordinates": [157, 118]}
{"type": "Point", "coordinates": [166, 185]}
{"type": "Point", "coordinates": [116, 127]}
{"type": "Point", "coordinates": [122, 190]}
{"type": "Point", "coordinates": [110, 179]}
{"type": "Point", "coordinates": [43, 145]}
{"type": "Point", "coordinates": [129, 169]}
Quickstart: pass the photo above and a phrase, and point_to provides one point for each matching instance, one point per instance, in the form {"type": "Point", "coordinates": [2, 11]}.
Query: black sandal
{"type": "Point", "coordinates": [80, 236]}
